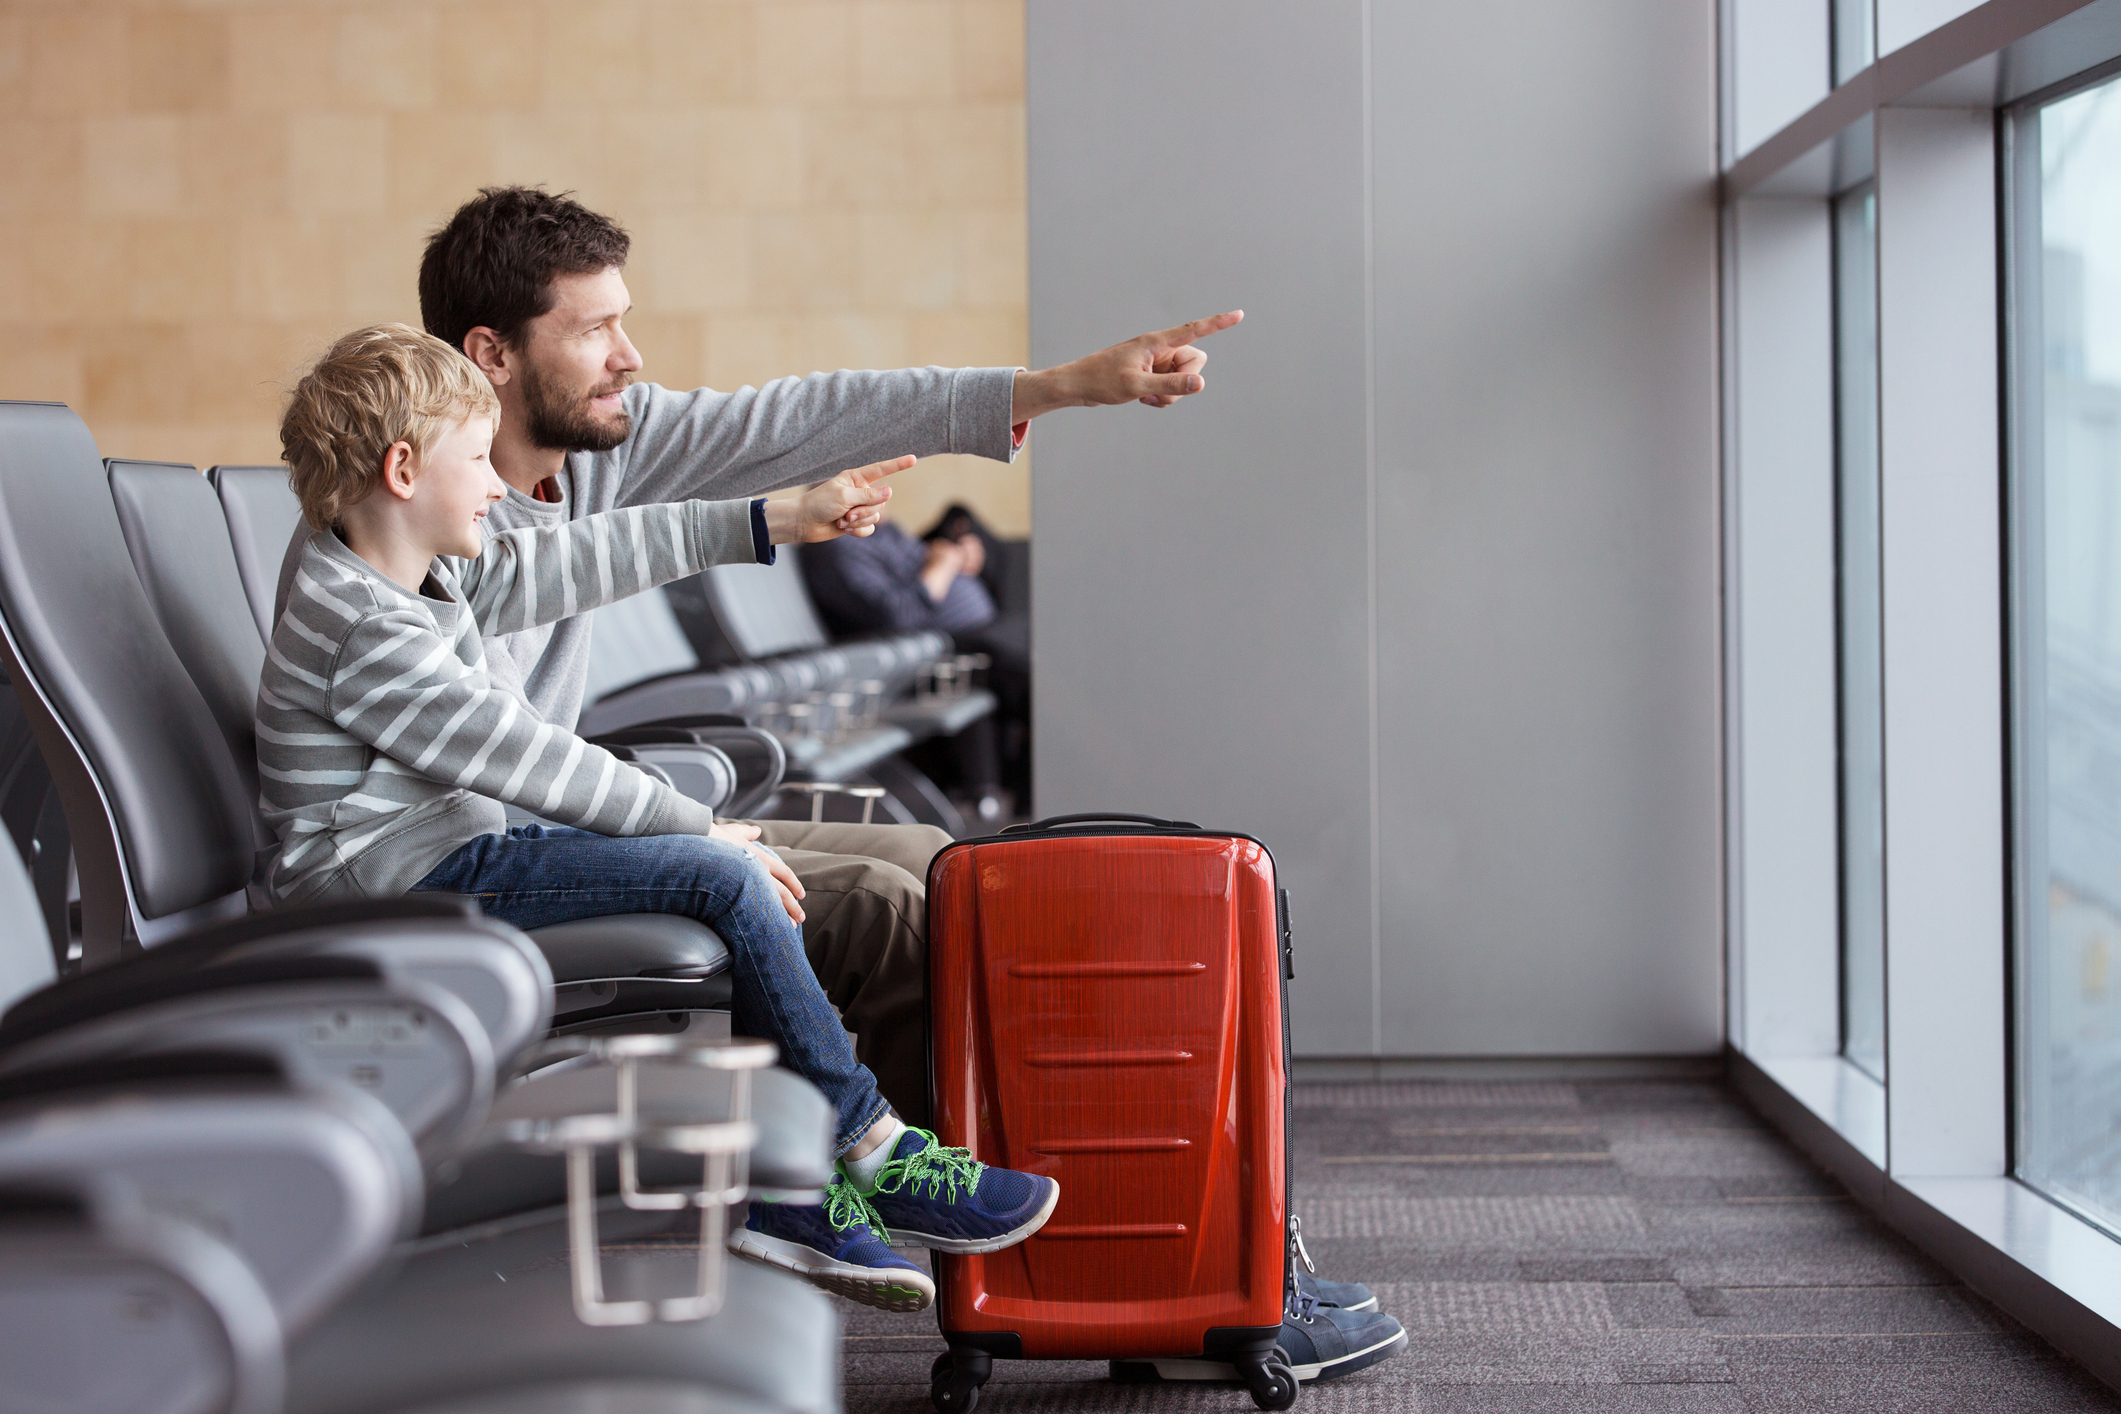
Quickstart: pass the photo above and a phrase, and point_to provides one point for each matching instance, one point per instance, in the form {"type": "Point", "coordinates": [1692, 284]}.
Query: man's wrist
{"type": "Point", "coordinates": [1040, 391]}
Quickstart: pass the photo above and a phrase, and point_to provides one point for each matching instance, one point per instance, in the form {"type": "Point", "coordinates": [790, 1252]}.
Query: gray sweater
{"type": "Point", "coordinates": [384, 744]}
{"type": "Point", "coordinates": [723, 445]}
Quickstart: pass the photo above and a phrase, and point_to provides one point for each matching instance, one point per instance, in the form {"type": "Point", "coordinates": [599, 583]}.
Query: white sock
{"type": "Point", "coordinates": [863, 1171]}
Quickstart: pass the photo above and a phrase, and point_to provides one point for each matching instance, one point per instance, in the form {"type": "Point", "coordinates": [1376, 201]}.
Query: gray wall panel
{"type": "Point", "coordinates": [1546, 612]}
{"type": "Point", "coordinates": [1546, 580]}
{"type": "Point", "coordinates": [1201, 625]}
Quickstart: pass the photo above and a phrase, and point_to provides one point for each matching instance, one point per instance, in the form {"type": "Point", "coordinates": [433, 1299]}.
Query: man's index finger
{"type": "Point", "coordinates": [1195, 329]}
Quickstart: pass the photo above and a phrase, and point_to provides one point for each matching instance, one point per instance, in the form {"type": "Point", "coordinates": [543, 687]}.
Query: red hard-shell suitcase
{"type": "Point", "coordinates": [1108, 1009]}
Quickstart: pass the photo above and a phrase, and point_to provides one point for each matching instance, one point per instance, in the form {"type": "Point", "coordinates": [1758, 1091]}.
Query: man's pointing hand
{"type": "Point", "coordinates": [1157, 369]}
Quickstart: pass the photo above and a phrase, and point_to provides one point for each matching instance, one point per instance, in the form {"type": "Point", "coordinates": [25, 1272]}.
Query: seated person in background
{"type": "Point", "coordinates": [892, 583]}
{"type": "Point", "coordinates": [385, 752]}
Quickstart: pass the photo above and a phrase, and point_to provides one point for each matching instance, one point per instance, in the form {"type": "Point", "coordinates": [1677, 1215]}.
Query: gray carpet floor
{"type": "Point", "coordinates": [1595, 1248]}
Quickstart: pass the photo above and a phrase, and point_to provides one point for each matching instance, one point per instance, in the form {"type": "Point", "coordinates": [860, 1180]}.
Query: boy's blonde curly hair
{"type": "Point", "coordinates": [376, 386]}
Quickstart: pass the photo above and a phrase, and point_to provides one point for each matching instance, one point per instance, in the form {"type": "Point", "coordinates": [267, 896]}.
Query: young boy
{"type": "Point", "coordinates": [385, 754]}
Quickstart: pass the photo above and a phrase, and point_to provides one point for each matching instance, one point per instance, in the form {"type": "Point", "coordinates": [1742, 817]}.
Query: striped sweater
{"type": "Point", "coordinates": [383, 744]}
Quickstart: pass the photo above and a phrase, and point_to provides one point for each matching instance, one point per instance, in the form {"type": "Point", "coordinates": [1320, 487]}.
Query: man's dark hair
{"type": "Point", "coordinates": [493, 262]}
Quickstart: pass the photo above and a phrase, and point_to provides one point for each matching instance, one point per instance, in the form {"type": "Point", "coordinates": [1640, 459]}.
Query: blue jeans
{"type": "Point", "coordinates": [540, 874]}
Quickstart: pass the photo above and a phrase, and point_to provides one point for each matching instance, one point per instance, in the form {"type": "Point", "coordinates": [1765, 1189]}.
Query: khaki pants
{"type": "Point", "coordinates": [865, 929]}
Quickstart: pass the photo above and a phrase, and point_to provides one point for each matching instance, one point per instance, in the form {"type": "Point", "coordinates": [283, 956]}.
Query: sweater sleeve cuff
{"type": "Point", "coordinates": [981, 400]}
{"type": "Point", "coordinates": [721, 533]}
{"type": "Point", "coordinates": [761, 542]}
{"type": "Point", "coordinates": [677, 814]}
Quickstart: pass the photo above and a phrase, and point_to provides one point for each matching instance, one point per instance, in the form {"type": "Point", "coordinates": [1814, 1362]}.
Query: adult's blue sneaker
{"type": "Point", "coordinates": [1346, 1295]}
{"type": "Point", "coordinates": [1326, 1342]}
{"type": "Point", "coordinates": [835, 1246]}
{"type": "Point", "coordinates": [1320, 1343]}
{"type": "Point", "coordinates": [930, 1195]}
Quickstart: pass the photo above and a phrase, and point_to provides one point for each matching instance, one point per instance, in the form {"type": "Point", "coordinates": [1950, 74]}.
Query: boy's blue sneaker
{"type": "Point", "coordinates": [932, 1196]}
{"type": "Point", "coordinates": [835, 1246]}
{"type": "Point", "coordinates": [1346, 1295]}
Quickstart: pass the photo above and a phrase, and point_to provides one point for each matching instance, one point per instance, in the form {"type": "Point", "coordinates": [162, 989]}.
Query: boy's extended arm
{"type": "Point", "coordinates": [537, 576]}
{"type": "Point", "coordinates": [399, 687]}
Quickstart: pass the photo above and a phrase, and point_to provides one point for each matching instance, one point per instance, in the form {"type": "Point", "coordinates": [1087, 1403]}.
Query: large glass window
{"type": "Point", "coordinates": [1856, 532]}
{"type": "Point", "coordinates": [1853, 37]}
{"type": "Point", "coordinates": [2065, 271]}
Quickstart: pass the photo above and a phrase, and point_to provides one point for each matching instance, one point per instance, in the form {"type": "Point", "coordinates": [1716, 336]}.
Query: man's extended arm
{"type": "Point", "coordinates": [793, 430]}
{"type": "Point", "coordinates": [1153, 369]}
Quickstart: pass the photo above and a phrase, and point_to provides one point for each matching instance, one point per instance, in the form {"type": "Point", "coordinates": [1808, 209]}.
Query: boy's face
{"type": "Point", "coordinates": [453, 485]}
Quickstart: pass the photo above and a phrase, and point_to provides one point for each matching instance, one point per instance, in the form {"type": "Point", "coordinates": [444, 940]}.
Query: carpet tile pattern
{"type": "Point", "coordinates": [1608, 1247]}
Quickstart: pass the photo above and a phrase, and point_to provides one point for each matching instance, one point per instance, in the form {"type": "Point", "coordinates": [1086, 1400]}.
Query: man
{"type": "Point", "coordinates": [531, 286]}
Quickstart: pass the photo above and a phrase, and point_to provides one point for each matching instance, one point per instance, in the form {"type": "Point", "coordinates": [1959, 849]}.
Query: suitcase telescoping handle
{"type": "Point", "coordinates": [1098, 817]}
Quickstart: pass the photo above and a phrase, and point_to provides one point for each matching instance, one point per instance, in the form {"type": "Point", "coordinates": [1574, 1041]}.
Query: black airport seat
{"type": "Point", "coordinates": [262, 516]}
{"type": "Point", "coordinates": [841, 709]}
{"type": "Point", "coordinates": [669, 680]}
{"type": "Point", "coordinates": [765, 614]}
{"type": "Point", "coordinates": [160, 816]}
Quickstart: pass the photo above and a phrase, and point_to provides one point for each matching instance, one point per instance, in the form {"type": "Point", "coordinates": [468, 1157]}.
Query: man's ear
{"type": "Point", "coordinates": [398, 470]}
{"type": "Point", "coordinates": [490, 352]}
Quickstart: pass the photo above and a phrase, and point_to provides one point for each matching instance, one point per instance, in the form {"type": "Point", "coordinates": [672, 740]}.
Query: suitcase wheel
{"type": "Point", "coordinates": [1269, 1378]}
{"type": "Point", "coordinates": [954, 1380]}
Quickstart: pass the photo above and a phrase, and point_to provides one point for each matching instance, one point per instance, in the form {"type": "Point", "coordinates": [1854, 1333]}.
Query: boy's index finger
{"type": "Point", "coordinates": [1196, 329]}
{"type": "Point", "coordinates": [870, 475]}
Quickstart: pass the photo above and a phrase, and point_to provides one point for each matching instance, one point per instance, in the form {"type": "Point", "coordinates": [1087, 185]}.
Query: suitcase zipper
{"type": "Point", "coordinates": [1281, 919]}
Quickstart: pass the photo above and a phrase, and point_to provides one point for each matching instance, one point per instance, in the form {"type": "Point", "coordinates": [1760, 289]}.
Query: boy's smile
{"type": "Point", "coordinates": [452, 487]}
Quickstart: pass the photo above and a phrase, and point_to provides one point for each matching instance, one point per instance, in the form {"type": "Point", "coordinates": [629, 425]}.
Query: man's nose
{"type": "Point", "coordinates": [625, 358]}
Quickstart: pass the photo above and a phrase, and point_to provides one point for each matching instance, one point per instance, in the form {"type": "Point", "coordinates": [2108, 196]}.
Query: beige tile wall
{"type": "Point", "coordinates": [195, 197]}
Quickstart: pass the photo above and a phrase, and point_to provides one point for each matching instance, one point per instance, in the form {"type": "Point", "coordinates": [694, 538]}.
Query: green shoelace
{"type": "Point", "coordinates": [931, 1171]}
{"type": "Point", "coordinates": [845, 1206]}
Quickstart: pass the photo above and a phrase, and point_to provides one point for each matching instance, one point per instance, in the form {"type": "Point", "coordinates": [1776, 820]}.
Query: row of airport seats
{"type": "Point", "coordinates": [302, 1168]}
{"type": "Point", "coordinates": [748, 638]}
{"type": "Point", "coordinates": [739, 646]}
{"type": "Point", "coordinates": [365, 1158]}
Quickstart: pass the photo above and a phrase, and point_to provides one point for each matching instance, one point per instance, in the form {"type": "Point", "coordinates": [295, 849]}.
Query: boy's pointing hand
{"type": "Point", "coordinates": [851, 503]}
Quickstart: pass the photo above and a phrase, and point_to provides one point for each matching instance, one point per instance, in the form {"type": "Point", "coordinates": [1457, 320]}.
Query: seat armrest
{"type": "Point", "coordinates": [663, 699]}
{"type": "Point", "coordinates": [110, 991]}
{"type": "Point", "coordinates": [756, 757]}
{"type": "Point", "coordinates": [192, 949]}
{"type": "Point", "coordinates": [665, 729]}
{"type": "Point", "coordinates": [632, 947]}
{"type": "Point", "coordinates": [680, 760]}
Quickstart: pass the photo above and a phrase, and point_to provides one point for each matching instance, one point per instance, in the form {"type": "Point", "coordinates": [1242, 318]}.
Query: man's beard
{"type": "Point", "coordinates": [559, 423]}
